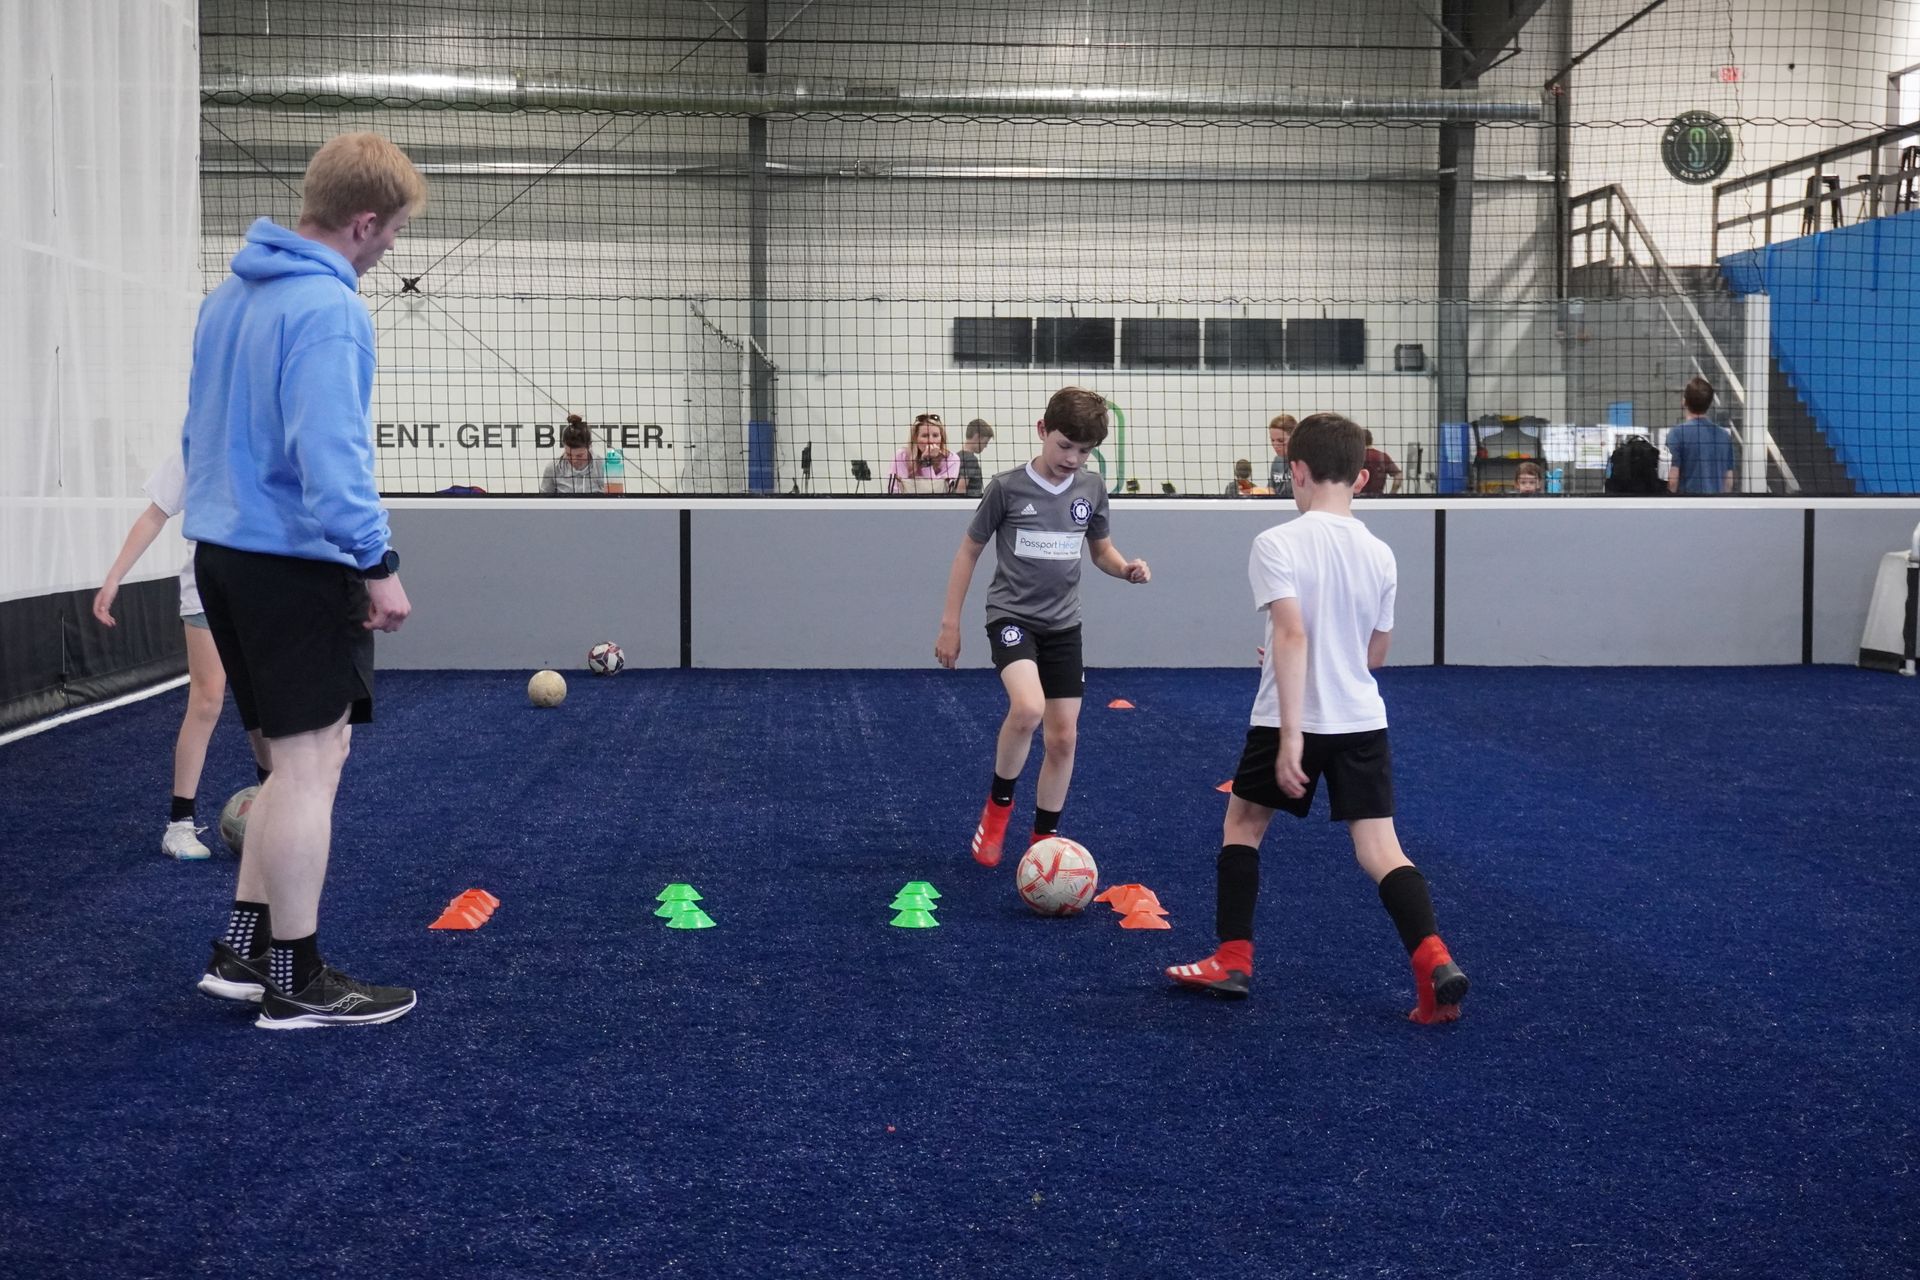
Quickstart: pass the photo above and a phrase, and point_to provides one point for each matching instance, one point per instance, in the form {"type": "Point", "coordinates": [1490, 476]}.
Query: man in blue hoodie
{"type": "Point", "coordinates": [294, 563]}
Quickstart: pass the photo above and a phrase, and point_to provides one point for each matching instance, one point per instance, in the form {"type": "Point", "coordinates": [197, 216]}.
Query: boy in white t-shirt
{"type": "Point", "coordinates": [1326, 586]}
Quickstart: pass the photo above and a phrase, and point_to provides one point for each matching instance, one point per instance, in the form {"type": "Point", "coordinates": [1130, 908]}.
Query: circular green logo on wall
{"type": "Point", "coordinates": [1697, 147]}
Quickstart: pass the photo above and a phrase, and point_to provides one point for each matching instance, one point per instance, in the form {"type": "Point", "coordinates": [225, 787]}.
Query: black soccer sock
{"type": "Point", "coordinates": [260, 772]}
{"type": "Point", "coordinates": [1403, 892]}
{"type": "Point", "coordinates": [294, 962]}
{"type": "Point", "coordinates": [1046, 822]}
{"type": "Point", "coordinates": [182, 809]}
{"type": "Point", "coordinates": [248, 928]}
{"type": "Point", "coordinates": [1003, 789]}
{"type": "Point", "coordinates": [1239, 885]}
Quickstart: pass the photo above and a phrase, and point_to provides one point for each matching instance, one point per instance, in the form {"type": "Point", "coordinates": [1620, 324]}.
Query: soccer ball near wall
{"type": "Point", "coordinates": [1057, 877]}
{"type": "Point", "coordinates": [605, 659]}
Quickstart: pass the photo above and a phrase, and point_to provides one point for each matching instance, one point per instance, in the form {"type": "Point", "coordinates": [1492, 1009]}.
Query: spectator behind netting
{"type": "Point", "coordinates": [1529, 481]}
{"type": "Point", "coordinates": [925, 465]}
{"type": "Point", "coordinates": [1241, 486]}
{"type": "Point", "coordinates": [979, 436]}
{"type": "Point", "coordinates": [1700, 450]}
{"type": "Point", "coordinates": [1279, 432]}
{"type": "Point", "coordinates": [576, 470]}
{"type": "Point", "coordinates": [1380, 469]}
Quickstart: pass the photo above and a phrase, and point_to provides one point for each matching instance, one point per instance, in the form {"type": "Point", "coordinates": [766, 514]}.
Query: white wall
{"type": "Point", "coordinates": [98, 217]}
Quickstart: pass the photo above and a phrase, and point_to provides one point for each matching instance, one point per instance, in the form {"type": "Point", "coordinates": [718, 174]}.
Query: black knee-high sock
{"type": "Point", "coordinates": [1403, 892]}
{"type": "Point", "coordinates": [1046, 822]}
{"type": "Point", "coordinates": [249, 926]}
{"type": "Point", "coordinates": [1239, 886]}
{"type": "Point", "coordinates": [181, 810]}
{"type": "Point", "coordinates": [1003, 789]}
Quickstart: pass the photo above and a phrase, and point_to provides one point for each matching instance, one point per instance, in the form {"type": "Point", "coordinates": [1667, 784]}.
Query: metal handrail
{"type": "Point", "coordinates": [1816, 165]}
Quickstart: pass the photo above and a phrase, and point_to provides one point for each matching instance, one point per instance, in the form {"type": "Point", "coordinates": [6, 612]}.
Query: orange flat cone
{"type": "Point", "coordinates": [1117, 891]}
{"type": "Point", "coordinates": [1226, 786]}
{"type": "Point", "coordinates": [1120, 704]}
{"type": "Point", "coordinates": [479, 895]}
{"type": "Point", "coordinates": [459, 918]}
{"type": "Point", "coordinates": [1145, 900]}
{"type": "Point", "coordinates": [464, 903]}
{"type": "Point", "coordinates": [1143, 920]}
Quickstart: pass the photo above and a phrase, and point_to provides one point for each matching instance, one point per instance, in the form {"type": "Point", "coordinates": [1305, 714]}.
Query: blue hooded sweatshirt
{"type": "Point", "coordinates": [279, 444]}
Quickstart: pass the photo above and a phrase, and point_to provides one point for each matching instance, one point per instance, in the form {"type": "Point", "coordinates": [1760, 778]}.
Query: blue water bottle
{"type": "Point", "coordinates": [1553, 480]}
{"type": "Point", "coordinates": [616, 472]}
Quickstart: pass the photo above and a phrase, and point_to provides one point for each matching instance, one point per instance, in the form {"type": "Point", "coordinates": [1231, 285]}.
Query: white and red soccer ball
{"type": "Point", "coordinates": [1057, 877]}
{"type": "Point", "coordinates": [605, 659]}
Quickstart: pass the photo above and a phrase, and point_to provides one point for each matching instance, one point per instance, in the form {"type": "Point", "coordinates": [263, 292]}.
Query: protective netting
{"type": "Point", "coordinates": [742, 236]}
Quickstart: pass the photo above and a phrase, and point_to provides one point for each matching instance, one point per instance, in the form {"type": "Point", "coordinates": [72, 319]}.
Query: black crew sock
{"type": "Point", "coordinates": [182, 809]}
{"type": "Point", "coordinates": [294, 962]}
{"type": "Point", "coordinates": [1403, 892]}
{"type": "Point", "coordinates": [248, 928]}
{"type": "Point", "coordinates": [1239, 885]}
{"type": "Point", "coordinates": [1003, 789]}
{"type": "Point", "coordinates": [260, 772]}
{"type": "Point", "coordinates": [1046, 822]}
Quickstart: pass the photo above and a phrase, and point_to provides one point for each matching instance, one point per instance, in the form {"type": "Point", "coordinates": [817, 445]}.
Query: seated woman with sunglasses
{"type": "Point", "coordinates": [926, 465]}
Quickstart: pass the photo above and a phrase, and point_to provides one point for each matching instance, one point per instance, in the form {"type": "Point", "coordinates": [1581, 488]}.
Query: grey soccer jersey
{"type": "Point", "coordinates": [1041, 532]}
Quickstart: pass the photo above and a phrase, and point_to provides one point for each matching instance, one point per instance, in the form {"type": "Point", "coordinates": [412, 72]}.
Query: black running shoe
{"type": "Point", "coordinates": [332, 999]}
{"type": "Point", "coordinates": [231, 976]}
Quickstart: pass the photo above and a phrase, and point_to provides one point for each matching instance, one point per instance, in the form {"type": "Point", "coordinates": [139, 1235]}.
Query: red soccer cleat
{"type": "Point", "coordinates": [1439, 982]}
{"type": "Point", "coordinates": [1227, 972]}
{"type": "Point", "coordinates": [991, 834]}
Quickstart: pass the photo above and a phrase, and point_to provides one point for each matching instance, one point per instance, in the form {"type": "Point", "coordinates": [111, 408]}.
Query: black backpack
{"type": "Point", "coordinates": [1634, 467]}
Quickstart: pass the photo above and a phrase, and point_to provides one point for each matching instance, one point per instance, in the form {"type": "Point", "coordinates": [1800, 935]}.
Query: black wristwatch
{"type": "Point", "coordinates": [385, 567]}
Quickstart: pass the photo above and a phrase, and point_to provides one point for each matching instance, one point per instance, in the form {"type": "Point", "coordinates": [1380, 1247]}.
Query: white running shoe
{"type": "Point", "coordinates": [182, 841]}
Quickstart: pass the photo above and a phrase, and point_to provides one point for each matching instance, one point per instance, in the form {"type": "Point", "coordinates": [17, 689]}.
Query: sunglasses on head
{"type": "Point", "coordinates": [928, 417]}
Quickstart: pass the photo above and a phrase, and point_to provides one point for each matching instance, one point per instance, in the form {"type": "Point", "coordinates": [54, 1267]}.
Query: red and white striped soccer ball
{"type": "Point", "coordinates": [1057, 877]}
{"type": "Point", "coordinates": [605, 659]}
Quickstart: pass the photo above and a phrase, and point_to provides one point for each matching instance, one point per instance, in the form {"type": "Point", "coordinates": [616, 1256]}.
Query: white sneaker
{"type": "Point", "coordinates": [182, 841]}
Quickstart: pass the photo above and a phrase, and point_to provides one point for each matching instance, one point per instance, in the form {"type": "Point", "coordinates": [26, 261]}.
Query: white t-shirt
{"type": "Point", "coordinates": [166, 489]}
{"type": "Point", "coordinates": [1344, 579]}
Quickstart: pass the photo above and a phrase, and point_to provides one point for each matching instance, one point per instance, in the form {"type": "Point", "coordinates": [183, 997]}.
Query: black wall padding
{"type": "Point", "coordinates": [54, 657]}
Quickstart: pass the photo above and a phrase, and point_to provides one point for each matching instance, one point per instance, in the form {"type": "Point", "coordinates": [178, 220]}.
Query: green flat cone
{"type": "Point", "coordinates": [915, 920]}
{"type": "Point", "coordinates": [691, 918]}
{"type": "Point", "coordinates": [922, 888]}
{"type": "Point", "coordinates": [911, 902]}
{"type": "Point", "coordinates": [677, 893]}
{"type": "Point", "coordinates": [673, 907]}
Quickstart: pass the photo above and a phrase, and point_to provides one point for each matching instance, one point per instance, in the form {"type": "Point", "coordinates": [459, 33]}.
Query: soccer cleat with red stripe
{"type": "Point", "coordinates": [1438, 980]}
{"type": "Point", "coordinates": [1226, 972]}
{"type": "Point", "coordinates": [991, 835]}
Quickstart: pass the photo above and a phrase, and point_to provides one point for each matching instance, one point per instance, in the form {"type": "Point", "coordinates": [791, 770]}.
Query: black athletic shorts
{"type": "Point", "coordinates": [1358, 768]}
{"type": "Point", "coordinates": [291, 635]}
{"type": "Point", "coordinates": [1056, 653]}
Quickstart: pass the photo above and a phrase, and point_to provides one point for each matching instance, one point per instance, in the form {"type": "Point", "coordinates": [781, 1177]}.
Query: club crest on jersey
{"type": "Point", "coordinates": [1011, 635]}
{"type": "Point", "coordinates": [1082, 510]}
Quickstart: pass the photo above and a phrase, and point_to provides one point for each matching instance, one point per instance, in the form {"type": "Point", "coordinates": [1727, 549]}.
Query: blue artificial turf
{"type": "Point", "coordinates": [1686, 899]}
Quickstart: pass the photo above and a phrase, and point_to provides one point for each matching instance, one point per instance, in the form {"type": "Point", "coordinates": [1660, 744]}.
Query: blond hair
{"type": "Point", "coordinates": [358, 173]}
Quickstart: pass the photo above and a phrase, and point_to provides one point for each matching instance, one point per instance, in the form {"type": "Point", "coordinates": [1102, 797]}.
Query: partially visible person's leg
{"type": "Point", "coordinates": [1060, 724]}
{"type": "Point", "coordinates": [291, 827]}
{"type": "Point", "coordinates": [206, 691]}
{"type": "Point", "coordinates": [1439, 984]}
{"type": "Point", "coordinates": [1026, 707]}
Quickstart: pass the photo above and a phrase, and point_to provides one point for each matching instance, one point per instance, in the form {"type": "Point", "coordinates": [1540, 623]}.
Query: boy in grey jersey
{"type": "Point", "coordinates": [1040, 517]}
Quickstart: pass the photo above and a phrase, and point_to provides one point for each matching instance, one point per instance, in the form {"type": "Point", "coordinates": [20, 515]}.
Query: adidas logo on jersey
{"type": "Point", "coordinates": [1029, 511]}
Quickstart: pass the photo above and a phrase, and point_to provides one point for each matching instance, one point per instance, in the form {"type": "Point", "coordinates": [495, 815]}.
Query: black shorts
{"type": "Point", "coordinates": [1358, 768]}
{"type": "Point", "coordinates": [1056, 653]}
{"type": "Point", "coordinates": [291, 635]}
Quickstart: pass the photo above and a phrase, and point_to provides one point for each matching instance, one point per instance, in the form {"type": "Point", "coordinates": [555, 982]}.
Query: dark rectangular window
{"type": "Point", "coordinates": [1246, 344]}
{"type": "Point", "coordinates": [1326, 344]}
{"type": "Point", "coordinates": [993, 340]}
{"type": "Point", "coordinates": [1161, 344]}
{"type": "Point", "coordinates": [1067, 340]}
